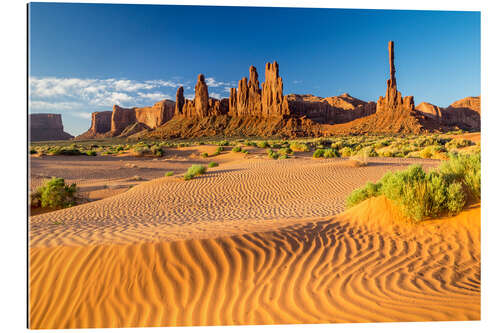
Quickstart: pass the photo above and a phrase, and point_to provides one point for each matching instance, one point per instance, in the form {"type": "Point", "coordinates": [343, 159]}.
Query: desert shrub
{"type": "Point", "coordinates": [419, 194]}
{"type": "Point", "coordinates": [318, 153]}
{"type": "Point", "coordinates": [262, 144]}
{"type": "Point", "coordinates": [157, 150]}
{"type": "Point", "coordinates": [458, 143]}
{"type": "Point", "coordinates": [283, 156]}
{"type": "Point", "coordinates": [346, 152]}
{"type": "Point", "coordinates": [276, 145]}
{"type": "Point", "coordinates": [223, 143]}
{"type": "Point", "coordinates": [194, 170]}
{"type": "Point", "coordinates": [91, 153]}
{"type": "Point", "coordinates": [64, 151]}
{"type": "Point", "coordinates": [204, 155]}
{"type": "Point", "coordinates": [33, 151]}
{"type": "Point", "coordinates": [286, 150]}
{"type": "Point", "coordinates": [251, 143]}
{"type": "Point", "coordinates": [426, 152]}
{"type": "Point", "coordinates": [54, 194]}
{"type": "Point", "coordinates": [140, 151]}
{"type": "Point", "coordinates": [361, 194]}
{"type": "Point", "coordinates": [244, 151]}
{"type": "Point", "coordinates": [337, 145]}
{"type": "Point", "coordinates": [236, 149]}
{"type": "Point", "coordinates": [213, 164]}
{"type": "Point", "coordinates": [219, 150]}
{"type": "Point", "coordinates": [465, 169]}
{"type": "Point", "coordinates": [273, 154]}
{"type": "Point", "coordinates": [169, 173]}
{"type": "Point", "coordinates": [297, 146]}
{"type": "Point", "coordinates": [330, 153]}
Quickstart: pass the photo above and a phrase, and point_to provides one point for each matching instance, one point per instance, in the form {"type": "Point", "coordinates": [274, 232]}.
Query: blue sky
{"type": "Point", "coordinates": [87, 57]}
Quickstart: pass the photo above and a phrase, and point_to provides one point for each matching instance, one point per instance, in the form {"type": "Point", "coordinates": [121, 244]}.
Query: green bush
{"type": "Point", "coordinates": [273, 154]}
{"type": "Point", "coordinates": [54, 194]}
{"type": "Point", "coordinates": [223, 143]}
{"type": "Point", "coordinates": [331, 153]}
{"type": "Point", "coordinates": [318, 153]}
{"type": "Point", "coordinates": [286, 150]}
{"type": "Point", "coordinates": [346, 152]}
{"type": "Point", "coordinates": [297, 146]}
{"type": "Point", "coordinates": [204, 155]}
{"type": "Point", "coordinates": [195, 170]}
{"type": "Point", "coordinates": [169, 173]}
{"type": "Point", "coordinates": [419, 194]}
{"type": "Point", "coordinates": [213, 164]}
{"type": "Point", "coordinates": [91, 153]}
{"type": "Point", "coordinates": [236, 149]}
{"type": "Point", "coordinates": [262, 144]}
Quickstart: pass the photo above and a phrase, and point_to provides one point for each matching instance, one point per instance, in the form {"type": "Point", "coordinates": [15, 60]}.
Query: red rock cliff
{"type": "Point", "coordinates": [47, 126]}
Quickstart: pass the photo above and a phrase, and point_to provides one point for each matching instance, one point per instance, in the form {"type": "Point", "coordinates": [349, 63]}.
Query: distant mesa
{"type": "Point", "coordinates": [252, 110]}
{"type": "Point", "coordinates": [46, 127]}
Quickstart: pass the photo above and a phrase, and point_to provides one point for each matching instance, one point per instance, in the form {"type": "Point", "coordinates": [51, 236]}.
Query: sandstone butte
{"type": "Point", "coordinates": [255, 110]}
{"type": "Point", "coordinates": [47, 126]}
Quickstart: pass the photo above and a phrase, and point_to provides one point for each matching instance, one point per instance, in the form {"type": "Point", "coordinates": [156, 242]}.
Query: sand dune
{"type": "Point", "coordinates": [237, 196]}
{"type": "Point", "coordinates": [334, 270]}
{"type": "Point", "coordinates": [254, 241]}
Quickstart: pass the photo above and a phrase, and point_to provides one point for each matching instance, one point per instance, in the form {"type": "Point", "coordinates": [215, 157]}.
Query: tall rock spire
{"type": "Point", "coordinates": [201, 97]}
{"type": "Point", "coordinates": [179, 101]}
{"type": "Point", "coordinates": [393, 99]}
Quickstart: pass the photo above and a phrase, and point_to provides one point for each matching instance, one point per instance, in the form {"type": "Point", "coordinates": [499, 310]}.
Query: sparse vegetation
{"type": "Point", "coordinates": [297, 146]}
{"type": "Point", "coordinates": [54, 194]}
{"type": "Point", "coordinates": [169, 173]}
{"type": "Point", "coordinates": [236, 149]}
{"type": "Point", "coordinates": [204, 155]}
{"type": "Point", "coordinates": [421, 194]}
{"type": "Point", "coordinates": [195, 170]}
{"type": "Point", "coordinates": [213, 164]}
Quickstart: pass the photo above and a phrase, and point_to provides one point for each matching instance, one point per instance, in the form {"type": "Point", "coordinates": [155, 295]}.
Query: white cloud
{"type": "Point", "coordinates": [58, 106]}
{"type": "Point", "coordinates": [211, 82]}
{"type": "Point", "coordinates": [215, 95]}
{"type": "Point", "coordinates": [84, 115]}
{"type": "Point", "coordinates": [296, 81]}
{"type": "Point", "coordinates": [154, 96]}
{"type": "Point", "coordinates": [52, 93]}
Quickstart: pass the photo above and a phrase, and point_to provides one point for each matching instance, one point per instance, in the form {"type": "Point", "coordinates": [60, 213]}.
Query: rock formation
{"type": "Point", "coordinates": [394, 114]}
{"type": "Point", "coordinates": [202, 105]}
{"type": "Point", "coordinates": [150, 116]}
{"type": "Point", "coordinates": [179, 101]}
{"type": "Point", "coordinates": [330, 110]}
{"type": "Point", "coordinates": [464, 113]}
{"type": "Point", "coordinates": [430, 110]}
{"type": "Point", "coordinates": [252, 110]}
{"type": "Point", "coordinates": [47, 126]}
{"type": "Point", "coordinates": [273, 103]}
{"type": "Point", "coordinates": [120, 120]}
{"type": "Point", "coordinates": [100, 125]}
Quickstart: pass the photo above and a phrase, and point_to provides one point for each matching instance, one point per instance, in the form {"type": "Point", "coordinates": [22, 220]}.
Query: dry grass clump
{"type": "Point", "coordinates": [360, 159]}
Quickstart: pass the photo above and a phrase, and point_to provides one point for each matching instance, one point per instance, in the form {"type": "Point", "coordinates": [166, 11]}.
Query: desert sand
{"type": "Point", "coordinates": [253, 241]}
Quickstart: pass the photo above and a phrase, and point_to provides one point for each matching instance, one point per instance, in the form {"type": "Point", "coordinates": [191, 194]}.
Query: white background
{"type": "Point", "coordinates": [13, 163]}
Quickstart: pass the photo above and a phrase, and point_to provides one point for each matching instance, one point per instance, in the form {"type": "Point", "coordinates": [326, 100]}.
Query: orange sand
{"type": "Point", "coordinates": [254, 241]}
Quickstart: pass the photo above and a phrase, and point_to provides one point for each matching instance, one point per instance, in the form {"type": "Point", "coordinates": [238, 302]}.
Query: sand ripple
{"type": "Point", "coordinates": [333, 270]}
